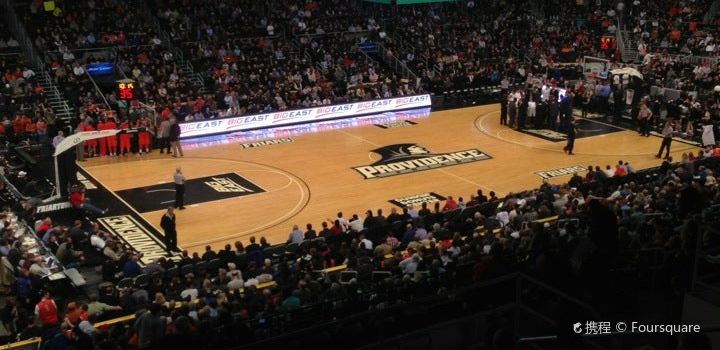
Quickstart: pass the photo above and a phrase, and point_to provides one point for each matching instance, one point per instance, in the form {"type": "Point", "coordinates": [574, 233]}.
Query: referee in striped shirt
{"type": "Point", "coordinates": [179, 179]}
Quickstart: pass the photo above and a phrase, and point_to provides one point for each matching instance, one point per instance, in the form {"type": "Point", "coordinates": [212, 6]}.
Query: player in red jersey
{"type": "Point", "coordinates": [124, 138]}
{"type": "Point", "coordinates": [143, 135]}
{"type": "Point", "coordinates": [90, 145]}
{"type": "Point", "coordinates": [111, 140]}
{"type": "Point", "coordinates": [102, 141]}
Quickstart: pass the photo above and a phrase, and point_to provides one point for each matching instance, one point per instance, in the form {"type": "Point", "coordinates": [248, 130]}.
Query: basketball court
{"type": "Point", "coordinates": [262, 182]}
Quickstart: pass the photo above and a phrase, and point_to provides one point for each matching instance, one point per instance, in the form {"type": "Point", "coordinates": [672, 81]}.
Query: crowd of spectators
{"type": "Point", "coordinates": [62, 25]}
{"type": "Point", "coordinates": [671, 25]}
{"type": "Point", "coordinates": [255, 68]}
{"type": "Point", "coordinates": [217, 21]}
{"type": "Point", "coordinates": [162, 83]}
{"type": "Point", "coordinates": [451, 48]}
{"type": "Point", "coordinates": [24, 109]}
{"type": "Point", "coordinates": [603, 220]}
{"type": "Point", "coordinates": [251, 64]}
{"type": "Point", "coordinates": [8, 43]}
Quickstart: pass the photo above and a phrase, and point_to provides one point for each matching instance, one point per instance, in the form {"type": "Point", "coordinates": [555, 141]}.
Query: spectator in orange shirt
{"type": "Point", "coordinates": [74, 314]}
{"type": "Point", "coordinates": [620, 170]}
{"type": "Point", "coordinates": [675, 35]}
{"type": "Point", "coordinates": [31, 130]}
{"type": "Point", "coordinates": [17, 127]}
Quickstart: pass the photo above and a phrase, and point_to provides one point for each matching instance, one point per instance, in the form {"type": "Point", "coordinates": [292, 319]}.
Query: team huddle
{"type": "Point", "coordinates": [141, 128]}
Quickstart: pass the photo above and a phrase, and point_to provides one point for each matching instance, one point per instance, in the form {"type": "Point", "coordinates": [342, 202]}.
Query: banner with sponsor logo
{"type": "Point", "coordinates": [247, 122]}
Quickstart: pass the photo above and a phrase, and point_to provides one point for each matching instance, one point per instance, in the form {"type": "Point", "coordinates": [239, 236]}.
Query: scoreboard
{"type": "Point", "coordinates": [126, 90]}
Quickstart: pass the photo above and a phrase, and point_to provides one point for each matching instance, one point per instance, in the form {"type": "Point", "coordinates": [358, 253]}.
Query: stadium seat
{"type": "Point", "coordinates": [241, 260]}
{"type": "Point", "coordinates": [172, 273]}
{"type": "Point", "coordinates": [291, 249]}
{"type": "Point", "coordinates": [201, 267]}
{"type": "Point", "coordinates": [142, 281]}
{"type": "Point", "coordinates": [213, 266]}
{"type": "Point", "coordinates": [346, 276]}
{"type": "Point", "coordinates": [186, 269]}
{"type": "Point", "coordinates": [125, 283]}
{"type": "Point", "coordinates": [157, 277]}
{"type": "Point", "coordinates": [379, 276]}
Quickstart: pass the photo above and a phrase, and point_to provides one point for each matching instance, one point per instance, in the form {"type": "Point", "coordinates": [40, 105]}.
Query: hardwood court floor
{"type": "Point", "coordinates": [310, 179]}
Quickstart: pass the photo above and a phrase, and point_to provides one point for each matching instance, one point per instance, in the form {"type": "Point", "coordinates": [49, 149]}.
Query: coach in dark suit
{"type": "Point", "coordinates": [571, 134]}
{"type": "Point", "coordinates": [168, 225]}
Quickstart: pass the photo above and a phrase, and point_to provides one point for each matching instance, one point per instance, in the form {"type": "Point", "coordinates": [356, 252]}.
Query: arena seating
{"type": "Point", "coordinates": [480, 241]}
{"type": "Point", "coordinates": [672, 26]}
{"type": "Point", "coordinates": [256, 57]}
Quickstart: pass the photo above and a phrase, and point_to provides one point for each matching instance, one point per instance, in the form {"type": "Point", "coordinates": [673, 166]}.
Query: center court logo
{"type": "Point", "coordinates": [409, 157]}
{"type": "Point", "coordinates": [224, 184]}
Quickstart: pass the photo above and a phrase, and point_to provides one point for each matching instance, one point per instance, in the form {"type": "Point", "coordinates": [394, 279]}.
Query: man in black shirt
{"type": "Point", "coordinates": [394, 216]}
{"type": "Point", "coordinates": [575, 181]}
{"type": "Point", "coordinates": [175, 138]}
{"type": "Point", "coordinates": [252, 246]}
{"type": "Point", "coordinates": [325, 232]}
{"type": "Point", "coordinates": [168, 225]}
{"type": "Point", "coordinates": [424, 211]}
{"type": "Point", "coordinates": [226, 255]}
{"type": "Point", "coordinates": [209, 254]}
{"type": "Point", "coordinates": [310, 233]}
{"type": "Point", "coordinates": [571, 133]}
{"type": "Point", "coordinates": [481, 198]}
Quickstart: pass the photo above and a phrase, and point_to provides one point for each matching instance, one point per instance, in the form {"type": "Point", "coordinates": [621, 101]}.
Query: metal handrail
{"type": "Point", "coordinates": [97, 88]}
{"type": "Point", "coordinates": [18, 31]}
{"type": "Point", "coordinates": [406, 47]}
{"type": "Point", "coordinates": [396, 64]}
{"type": "Point", "coordinates": [66, 108]}
{"type": "Point", "coordinates": [714, 7]}
{"type": "Point", "coordinates": [169, 43]}
{"type": "Point", "coordinates": [28, 48]}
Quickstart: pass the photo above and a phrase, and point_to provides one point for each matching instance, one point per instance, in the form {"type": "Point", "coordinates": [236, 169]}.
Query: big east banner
{"type": "Point", "coordinates": [257, 121]}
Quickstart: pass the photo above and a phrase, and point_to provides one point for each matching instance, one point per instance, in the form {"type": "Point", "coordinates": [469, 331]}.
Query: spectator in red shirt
{"type": "Point", "coordinates": [46, 310]}
{"type": "Point", "coordinates": [336, 229]}
{"type": "Point", "coordinates": [78, 200]}
{"type": "Point", "coordinates": [450, 204]}
{"type": "Point", "coordinates": [44, 226]}
{"type": "Point", "coordinates": [620, 171]}
{"type": "Point", "coordinates": [74, 314]}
